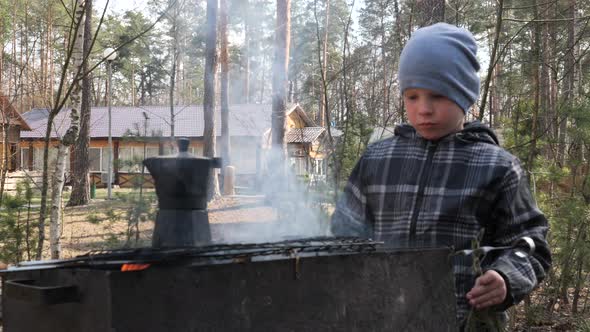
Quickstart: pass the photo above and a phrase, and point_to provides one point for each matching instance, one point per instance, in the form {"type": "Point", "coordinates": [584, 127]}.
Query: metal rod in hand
{"type": "Point", "coordinates": [525, 244]}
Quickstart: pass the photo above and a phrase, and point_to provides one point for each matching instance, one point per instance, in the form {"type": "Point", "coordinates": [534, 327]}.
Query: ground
{"type": "Point", "coordinates": [227, 213]}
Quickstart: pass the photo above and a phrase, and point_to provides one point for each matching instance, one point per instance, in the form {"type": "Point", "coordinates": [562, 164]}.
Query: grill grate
{"type": "Point", "coordinates": [327, 245]}
{"type": "Point", "coordinates": [218, 253]}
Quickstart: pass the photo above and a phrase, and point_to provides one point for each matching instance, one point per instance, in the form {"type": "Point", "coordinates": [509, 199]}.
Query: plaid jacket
{"type": "Point", "coordinates": [410, 192]}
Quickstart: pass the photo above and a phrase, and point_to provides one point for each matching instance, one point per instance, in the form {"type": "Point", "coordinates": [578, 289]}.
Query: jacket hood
{"type": "Point", "coordinates": [474, 131]}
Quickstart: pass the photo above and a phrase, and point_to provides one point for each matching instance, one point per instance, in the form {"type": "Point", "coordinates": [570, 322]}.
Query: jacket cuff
{"type": "Point", "coordinates": [509, 300]}
{"type": "Point", "coordinates": [519, 281]}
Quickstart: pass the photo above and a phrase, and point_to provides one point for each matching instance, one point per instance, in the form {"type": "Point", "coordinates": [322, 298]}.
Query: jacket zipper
{"type": "Point", "coordinates": [420, 195]}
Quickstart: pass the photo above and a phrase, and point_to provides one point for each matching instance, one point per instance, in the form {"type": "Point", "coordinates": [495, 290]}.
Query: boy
{"type": "Point", "coordinates": [439, 181]}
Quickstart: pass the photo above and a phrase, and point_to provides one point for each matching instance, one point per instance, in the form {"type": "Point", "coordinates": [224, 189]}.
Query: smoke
{"type": "Point", "coordinates": [298, 212]}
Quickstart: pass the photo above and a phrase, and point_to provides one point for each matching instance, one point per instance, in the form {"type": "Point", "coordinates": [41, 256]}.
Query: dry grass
{"type": "Point", "coordinates": [89, 228]}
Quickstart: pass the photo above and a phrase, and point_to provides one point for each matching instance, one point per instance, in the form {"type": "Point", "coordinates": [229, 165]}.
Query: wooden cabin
{"type": "Point", "coordinates": [145, 131]}
{"type": "Point", "coordinates": [11, 126]}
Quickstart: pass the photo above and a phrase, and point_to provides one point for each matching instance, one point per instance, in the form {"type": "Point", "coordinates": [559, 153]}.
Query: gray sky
{"type": "Point", "coordinates": [122, 5]}
{"type": "Point", "coordinates": [119, 5]}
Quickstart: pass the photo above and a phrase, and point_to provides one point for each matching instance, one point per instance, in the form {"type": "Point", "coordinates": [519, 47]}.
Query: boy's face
{"type": "Point", "coordinates": [431, 114]}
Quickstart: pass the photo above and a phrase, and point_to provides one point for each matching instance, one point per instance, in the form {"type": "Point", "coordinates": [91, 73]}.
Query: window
{"type": "Point", "coordinates": [168, 150]}
{"type": "Point", "coordinates": [38, 159]}
{"type": "Point", "coordinates": [198, 151]}
{"type": "Point", "coordinates": [95, 159]}
{"type": "Point", "coordinates": [105, 159]}
{"type": "Point", "coordinates": [244, 156]}
{"type": "Point", "coordinates": [24, 158]}
{"type": "Point", "coordinates": [298, 165]}
{"type": "Point", "coordinates": [130, 158]}
{"type": "Point", "coordinates": [151, 151]}
{"type": "Point", "coordinates": [319, 166]}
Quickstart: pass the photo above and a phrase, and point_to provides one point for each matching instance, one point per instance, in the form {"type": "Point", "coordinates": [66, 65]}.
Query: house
{"type": "Point", "coordinates": [144, 131]}
{"type": "Point", "coordinates": [11, 126]}
{"type": "Point", "coordinates": [307, 150]}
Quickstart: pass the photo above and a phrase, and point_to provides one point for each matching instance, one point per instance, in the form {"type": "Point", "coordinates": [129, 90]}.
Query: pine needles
{"type": "Point", "coordinates": [484, 319]}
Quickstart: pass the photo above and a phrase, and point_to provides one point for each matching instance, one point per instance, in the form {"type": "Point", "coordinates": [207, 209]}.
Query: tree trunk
{"type": "Point", "coordinates": [580, 277]}
{"type": "Point", "coordinates": [569, 80]}
{"type": "Point", "coordinates": [69, 137]}
{"type": "Point", "coordinates": [209, 94]}
{"type": "Point", "coordinates": [12, 72]}
{"type": "Point", "coordinates": [225, 139]}
{"type": "Point", "coordinates": [56, 201]}
{"type": "Point", "coordinates": [553, 82]}
{"type": "Point", "coordinates": [262, 79]}
{"type": "Point", "coordinates": [486, 87]}
{"type": "Point", "coordinates": [27, 97]}
{"type": "Point", "coordinates": [50, 56]}
{"type": "Point", "coordinates": [323, 60]}
{"type": "Point", "coordinates": [175, 50]}
{"type": "Point", "coordinates": [495, 109]}
{"type": "Point", "coordinates": [544, 102]}
{"type": "Point", "coordinates": [172, 87]}
{"type": "Point", "coordinates": [5, 143]}
{"type": "Point", "coordinates": [2, 62]}
{"type": "Point", "coordinates": [385, 68]}
{"type": "Point", "coordinates": [81, 165]}
{"type": "Point", "coordinates": [48, 92]}
{"type": "Point", "coordinates": [575, 150]}
{"type": "Point", "coordinates": [44, 187]}
{"type": "Point", "coordinates": [280, 80]}
{"type": "Point", "coordinates": [536, 63]}
{"type": "Point", "coordinates": [247, 51]}
{"type": "Point", "coordinates": [400, 42]}
{"type": "Point", "coordinates": [430, 12]}
{"type": "Point", "coordinates": [20, 87]}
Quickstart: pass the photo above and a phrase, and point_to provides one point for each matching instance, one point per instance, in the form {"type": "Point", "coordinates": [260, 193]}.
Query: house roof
{"type": "Point", "coordinates": [7, 108]}
{"type": "Point", "coordinates": [303, 135]}
{"type": "Point", "coordinates": [244, 120]}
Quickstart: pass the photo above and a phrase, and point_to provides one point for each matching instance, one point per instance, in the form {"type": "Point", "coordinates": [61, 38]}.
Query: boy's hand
{"type": "Point", "coordinates": [489, 290]}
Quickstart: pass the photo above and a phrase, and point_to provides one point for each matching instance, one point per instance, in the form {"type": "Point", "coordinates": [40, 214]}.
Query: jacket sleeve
{"type": "Point", "coordinates": [351, 217]}
{"type": "Point", "coordinates": [515, 215]}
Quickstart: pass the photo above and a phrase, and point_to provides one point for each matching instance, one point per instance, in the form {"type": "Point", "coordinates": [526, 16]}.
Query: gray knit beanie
{"type": "Point", "coordinates": [441, 58]}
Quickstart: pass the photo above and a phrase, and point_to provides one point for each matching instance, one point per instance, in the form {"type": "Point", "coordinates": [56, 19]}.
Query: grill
{"type": "Point", "coordinates": [186, 283]}
{"type": "Point", "coordinates": [303, 285]}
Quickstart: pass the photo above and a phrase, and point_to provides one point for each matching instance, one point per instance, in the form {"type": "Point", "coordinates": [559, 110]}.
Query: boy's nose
{"type": "Point", "coordinates": [425, 108]}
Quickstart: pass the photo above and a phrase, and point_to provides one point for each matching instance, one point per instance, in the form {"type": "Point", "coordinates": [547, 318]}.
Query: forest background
{"type": "Point", "coordinates": [342, 63]}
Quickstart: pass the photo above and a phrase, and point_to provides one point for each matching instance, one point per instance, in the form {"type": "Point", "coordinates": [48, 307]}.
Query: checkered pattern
{"type": "Point", "coordinates": [450, 190]}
